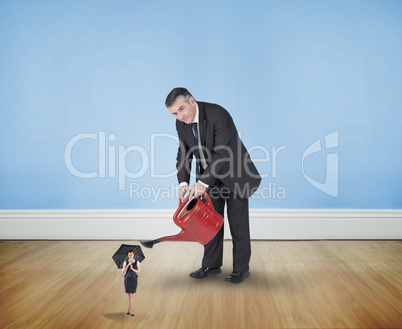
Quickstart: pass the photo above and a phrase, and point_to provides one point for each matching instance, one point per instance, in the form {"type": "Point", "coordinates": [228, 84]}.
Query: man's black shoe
{"type": "Point", "coordinates": [203, 272]}
{"type": "Point", "coordinates": [237, 277]}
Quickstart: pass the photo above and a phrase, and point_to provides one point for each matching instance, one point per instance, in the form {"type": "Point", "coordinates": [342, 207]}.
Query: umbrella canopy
{"type": "Point", "coordinates": [121, 254]}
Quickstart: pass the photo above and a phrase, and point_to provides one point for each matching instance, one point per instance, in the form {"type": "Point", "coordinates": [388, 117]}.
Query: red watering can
{"type": "Point", "coordinates": [198, 220]}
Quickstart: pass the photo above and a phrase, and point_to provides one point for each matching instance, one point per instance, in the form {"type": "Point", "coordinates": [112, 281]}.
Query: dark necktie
{"type": "Point", "coordinates": [196, 151]}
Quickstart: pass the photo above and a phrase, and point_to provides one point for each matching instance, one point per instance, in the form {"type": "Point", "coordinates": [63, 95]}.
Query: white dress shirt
{"type": "Point", "coordinates": [125, 262]}
{"type": "Point", "coordinates": [202, 158]}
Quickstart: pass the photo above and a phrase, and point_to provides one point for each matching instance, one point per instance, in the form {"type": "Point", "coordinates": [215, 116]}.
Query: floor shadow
{"type": "Point", "coordinates": [256, 280]}
{"type": "Point", "coordinates": [260, 280]}
{"type": "Point", "coordinates": [118, 317]}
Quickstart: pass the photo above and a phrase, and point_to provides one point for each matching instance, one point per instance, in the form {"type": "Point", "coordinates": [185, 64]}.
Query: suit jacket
{"type": "Point", "coordinates": [227, 158]}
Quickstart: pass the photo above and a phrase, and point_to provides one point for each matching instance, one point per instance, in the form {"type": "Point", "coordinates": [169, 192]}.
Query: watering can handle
{"type": "Point", "coordinates": [181, 207]}
{"type": "Point", "coordinates": [209, 203]}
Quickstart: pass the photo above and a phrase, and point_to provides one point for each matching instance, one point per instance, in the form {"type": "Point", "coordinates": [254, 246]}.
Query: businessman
{"type": "Point", "coordinates": [223, 166]}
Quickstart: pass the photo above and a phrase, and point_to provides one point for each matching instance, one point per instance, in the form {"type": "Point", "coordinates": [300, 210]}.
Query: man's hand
{"type": "Point", "coordinates": [183, 190]}
{"type": "Point", "coordinates": [197, 190]}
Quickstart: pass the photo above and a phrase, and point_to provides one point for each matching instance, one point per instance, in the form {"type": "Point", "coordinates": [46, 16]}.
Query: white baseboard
{"type": "Point", "coordinates": [270, 224]}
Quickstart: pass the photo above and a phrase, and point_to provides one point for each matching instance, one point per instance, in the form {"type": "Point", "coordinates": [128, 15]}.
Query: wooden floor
{"type": "Point", "coordinates": [293, 284]}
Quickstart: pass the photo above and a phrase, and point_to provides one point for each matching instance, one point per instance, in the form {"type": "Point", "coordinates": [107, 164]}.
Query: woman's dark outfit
{"type": "Point", "coordinates": [131, 280]}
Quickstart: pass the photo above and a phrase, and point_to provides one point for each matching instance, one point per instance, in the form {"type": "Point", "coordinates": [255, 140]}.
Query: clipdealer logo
{"type": "Point", "coordinates": [112, 163]}
{"type": "Point", "coordinates": [330, 186]}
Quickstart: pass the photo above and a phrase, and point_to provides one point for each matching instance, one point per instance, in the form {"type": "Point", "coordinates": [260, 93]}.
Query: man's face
{"type": "Point", "coordinates": [184, 111]}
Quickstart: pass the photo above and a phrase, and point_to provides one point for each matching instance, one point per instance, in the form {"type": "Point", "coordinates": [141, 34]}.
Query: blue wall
{"type": "Point", "coordinates": [314, 88]}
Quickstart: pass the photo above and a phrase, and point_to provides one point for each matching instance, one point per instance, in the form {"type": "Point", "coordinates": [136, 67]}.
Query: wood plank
{"type": "Point", "coordinates": [367, 288]}
{"type": "Point", "coordinates": [385, 262]}
{"type": "Point", "coordinates": [293, 284]}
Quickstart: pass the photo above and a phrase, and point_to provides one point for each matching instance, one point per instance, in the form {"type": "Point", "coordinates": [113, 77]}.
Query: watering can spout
{"type": "Point", "coordinates": [182, 236]}
{"type": "Point", "coordinates": [149, 244]}
{"type": "Point", "coordinates": [198, 220]}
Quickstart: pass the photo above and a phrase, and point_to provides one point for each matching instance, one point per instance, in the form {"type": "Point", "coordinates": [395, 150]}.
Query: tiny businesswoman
{"type": "Point", "coordinates": [131, 269]}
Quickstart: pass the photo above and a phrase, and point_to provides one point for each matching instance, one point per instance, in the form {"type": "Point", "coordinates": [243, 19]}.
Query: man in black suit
{"type": "Point", "coordinates": [208, 132]}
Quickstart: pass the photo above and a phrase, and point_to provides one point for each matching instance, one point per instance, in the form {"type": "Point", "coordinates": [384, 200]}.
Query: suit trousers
{"type": "Point", "coordinates": [238, 218]}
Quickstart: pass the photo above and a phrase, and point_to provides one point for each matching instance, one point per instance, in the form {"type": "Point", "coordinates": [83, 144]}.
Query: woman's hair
{"type": "Point", "coordinates": [130, 252]}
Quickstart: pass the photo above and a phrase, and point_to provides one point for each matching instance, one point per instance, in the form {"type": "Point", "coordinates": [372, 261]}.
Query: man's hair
{"type": "Point", "coordinates": [130, 252]}
{"type": "Point", "coordinates": [176, 93]}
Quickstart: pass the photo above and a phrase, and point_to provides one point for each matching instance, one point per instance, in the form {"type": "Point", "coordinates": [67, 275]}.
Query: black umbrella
{"type": "Point", "coordinates": [121, 254]}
